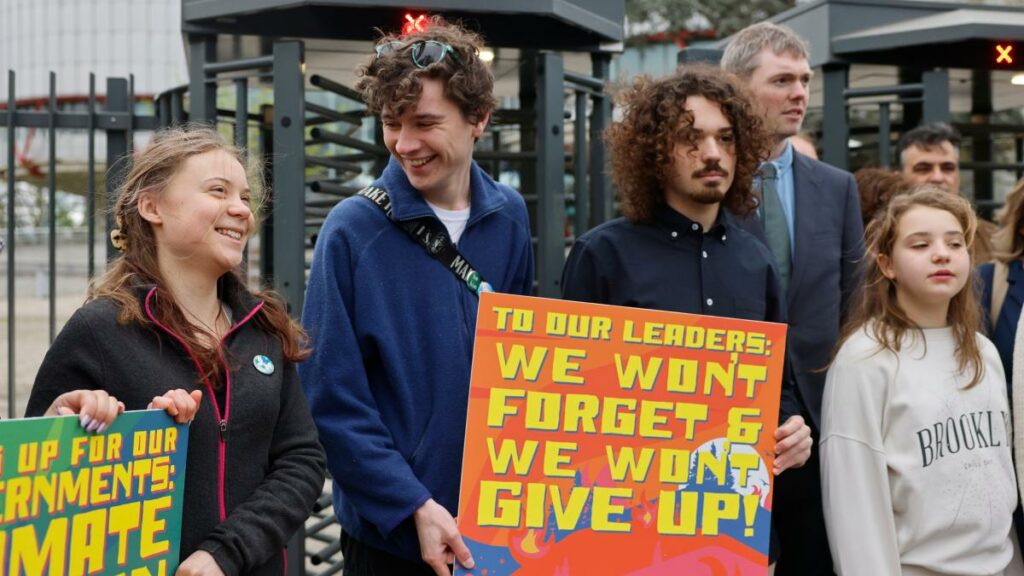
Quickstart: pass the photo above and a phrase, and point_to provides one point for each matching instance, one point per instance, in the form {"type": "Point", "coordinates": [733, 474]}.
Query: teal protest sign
{"type": "Point", "coordinates": [75, 503]}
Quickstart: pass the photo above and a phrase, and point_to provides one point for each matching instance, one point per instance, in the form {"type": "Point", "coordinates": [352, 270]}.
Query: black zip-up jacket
{"type": "Point", "coordinates": [254, 464]}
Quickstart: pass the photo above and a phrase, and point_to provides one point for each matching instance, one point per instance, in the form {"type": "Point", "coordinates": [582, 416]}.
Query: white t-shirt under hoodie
{"type": "Point", "coordinates": [454, 220]}
{"type": "Point", "coordinates": [916, 471]}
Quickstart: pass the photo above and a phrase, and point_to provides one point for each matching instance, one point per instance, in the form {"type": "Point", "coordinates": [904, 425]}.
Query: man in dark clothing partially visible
{"type": "Point", "coordinates": [688, 145]}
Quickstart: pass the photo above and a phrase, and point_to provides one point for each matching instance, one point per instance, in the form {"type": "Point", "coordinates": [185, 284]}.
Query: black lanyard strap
{"type": "Point", "coordinates": [433, 237]}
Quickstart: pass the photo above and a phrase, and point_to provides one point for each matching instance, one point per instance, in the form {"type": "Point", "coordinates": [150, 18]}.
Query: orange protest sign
{"type": "Point", "coordinates": [611, 440]}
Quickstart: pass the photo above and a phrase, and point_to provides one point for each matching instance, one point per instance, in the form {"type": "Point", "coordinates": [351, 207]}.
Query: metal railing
{"type": "Point", "coordinates": [118, 121]}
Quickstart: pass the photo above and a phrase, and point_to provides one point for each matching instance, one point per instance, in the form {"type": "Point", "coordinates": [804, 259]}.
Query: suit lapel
{"type": "Point", "coordinates": [805, 192]}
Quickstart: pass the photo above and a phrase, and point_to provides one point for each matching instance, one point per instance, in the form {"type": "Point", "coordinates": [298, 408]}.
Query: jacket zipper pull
{"type": "Point", "coordinates": [223, 429]}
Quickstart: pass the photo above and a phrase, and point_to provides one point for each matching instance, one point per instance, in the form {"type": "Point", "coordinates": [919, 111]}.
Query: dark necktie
{"type": "Point", "coordinates": [775, 228]}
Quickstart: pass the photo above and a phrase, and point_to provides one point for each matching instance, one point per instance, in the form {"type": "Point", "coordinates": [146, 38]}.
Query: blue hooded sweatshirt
{"type": "Point", "coordinates": [392, 330]}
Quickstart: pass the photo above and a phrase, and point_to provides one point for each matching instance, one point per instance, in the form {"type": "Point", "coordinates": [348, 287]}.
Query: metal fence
{"type": "Point", "coordinates": [117, 122]}
{"type": "Point", "coordinates": [314, 156]}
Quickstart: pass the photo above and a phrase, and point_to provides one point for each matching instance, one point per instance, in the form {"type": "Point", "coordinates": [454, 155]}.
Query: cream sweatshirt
{"type": "Point", "coordinates": [916, 471]}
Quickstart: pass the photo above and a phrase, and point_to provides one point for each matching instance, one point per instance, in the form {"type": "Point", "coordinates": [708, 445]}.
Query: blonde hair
{"type": "Point", "coordinates": [876, 308]}
{"type": "Point", "coordinates": [743, 54]}
{"type": "Point", "coordinates": [1008, 242]}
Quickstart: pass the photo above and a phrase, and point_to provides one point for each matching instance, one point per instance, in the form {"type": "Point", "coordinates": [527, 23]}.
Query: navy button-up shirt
{"type": "Point", "coordinates": [673, 264]}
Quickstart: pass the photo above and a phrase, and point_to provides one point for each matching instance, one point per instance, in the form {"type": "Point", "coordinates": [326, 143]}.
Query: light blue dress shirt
{"type": "Point", "coordinates": [785, 187]}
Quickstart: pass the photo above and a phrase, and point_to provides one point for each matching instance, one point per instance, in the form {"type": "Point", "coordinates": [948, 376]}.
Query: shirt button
{"type": "Point", "coordinates": [723, 237]}
{"type": "Point", "coordinates": [710, 302]}
{"type": "Point", "coordinates": [674, 233]}
{"type": "Point", "coordinates": [704, 253]}
{"type": "Point", "coordinates": [695, 226]}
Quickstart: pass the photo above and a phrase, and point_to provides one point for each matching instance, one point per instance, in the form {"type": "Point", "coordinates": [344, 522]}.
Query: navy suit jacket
{"type": "Point", "coordinates": [827, 251]}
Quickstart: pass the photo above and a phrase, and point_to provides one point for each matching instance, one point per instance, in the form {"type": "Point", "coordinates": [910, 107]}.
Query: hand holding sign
{"type": "Point", "coordinates": [440, 541]}
{"type": "Point", "coordinates": [96, 408]}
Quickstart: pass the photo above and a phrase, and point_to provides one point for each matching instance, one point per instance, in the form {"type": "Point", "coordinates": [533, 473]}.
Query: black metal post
{"type": "Point", "coordinates": [289, 174]}
{"type": "Point", "coordinates": [550, 168]}
{"type": "Point", "coordinates": [203, 95]}
{"type": "Point", "coordinates": [288, 216]}
{"type": "Point", "coordinates": [51, 184]}
{"type": "Point", "coordinates": [835, 128]}
{"type": "Point", "coordinates": [912, 111]}
{"type": "Point", "coordinates": [242, 113]}
{"type": "Point", "coordinates": [12, 115]}
{"type": "Point", "coordinates": [884, 135]}
{"type": "Point", "coordinates": [936, 95]}
{"type": "Point", "coordinates": [581, 216]}
{"type": "Point", "coordinates": [602, 199]}
{"type": "Point", "coordinates": [118, 159]}
{"type": "Point", "coordinates": [267, 229]}
{"type": "Point", "coordinates": [1018, 149]}
{"type": "Point", "coordinates": [528, 62]}
{"type": "Point", "coordinates": [981, 143]}
{"type": "Point", "coordinates": [91, 178]}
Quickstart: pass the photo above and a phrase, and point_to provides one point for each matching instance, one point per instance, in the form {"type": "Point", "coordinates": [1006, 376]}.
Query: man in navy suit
{"type": "Point", "coordinates": [810, 219]}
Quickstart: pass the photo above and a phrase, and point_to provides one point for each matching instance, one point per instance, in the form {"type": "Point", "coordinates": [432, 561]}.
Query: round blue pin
{"type": "Point", "coordinates": [263, 364]}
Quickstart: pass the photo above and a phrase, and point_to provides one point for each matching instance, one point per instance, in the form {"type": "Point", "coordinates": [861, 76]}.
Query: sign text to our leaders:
{"type": "Point", "coordinates": [583, 326]}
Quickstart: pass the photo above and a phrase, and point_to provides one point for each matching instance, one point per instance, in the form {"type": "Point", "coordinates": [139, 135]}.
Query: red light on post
{"type": "Point", "coordinates": [411, 24]}
{"type": "Point", "coordinates": [1004, 54]}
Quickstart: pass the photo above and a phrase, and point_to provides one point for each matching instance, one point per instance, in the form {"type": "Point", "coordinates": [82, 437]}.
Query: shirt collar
{"type": "Point", "coordinates": [666, 218]}
{"type": "Point", "coordinates": [407, 203]}
{"type": "Point", "coordinates": [784, 163]}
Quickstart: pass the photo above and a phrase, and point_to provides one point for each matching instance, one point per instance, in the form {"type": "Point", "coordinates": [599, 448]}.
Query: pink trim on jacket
{"type": "Point", "coordinates": [222, 421]}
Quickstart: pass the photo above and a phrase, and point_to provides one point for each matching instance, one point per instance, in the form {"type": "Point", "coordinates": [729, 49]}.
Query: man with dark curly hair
{"type": "Point", "coordinates": [391, 304]}
{"type": "Point", "coordinates": [687, 146]}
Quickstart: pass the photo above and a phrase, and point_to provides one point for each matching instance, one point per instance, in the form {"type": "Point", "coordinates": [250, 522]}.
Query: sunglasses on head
{"type": "Point", "coordinates": [424, 53]}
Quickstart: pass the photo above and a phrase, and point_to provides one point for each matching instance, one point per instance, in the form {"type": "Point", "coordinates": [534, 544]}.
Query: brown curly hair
{"type": "Point", "coordinates": [394, 81]}
{"type": "Point", "coordinates": [876, 186]}
{"type": "Point", "coordinates": [655, 120]}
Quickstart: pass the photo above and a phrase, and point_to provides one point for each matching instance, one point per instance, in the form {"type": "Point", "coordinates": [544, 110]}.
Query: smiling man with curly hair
{"type": "Point", "coordinates": [392, 298]}
{"type": "Point", "coordinates": [687, 146]}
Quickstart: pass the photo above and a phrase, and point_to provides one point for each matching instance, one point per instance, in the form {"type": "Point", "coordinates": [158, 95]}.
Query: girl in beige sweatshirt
{"type": "Point", "coordinates": [916, 465]}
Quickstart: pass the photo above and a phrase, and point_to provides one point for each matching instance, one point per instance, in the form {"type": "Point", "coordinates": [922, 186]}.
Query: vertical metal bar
{"type": "Point", "coordinates": [130, 129]}
{"type": "Point", "coordinates": [496, 147]}
{"type": "Point", "coordinates": [117, 151]}
{"type": "Point", "coordinates": [91, 177]}
{"type": "Point", "coordinates": [177, 108]}
{"type": "Point", "coordinates": [289, 176]}
{"type": "Point", "coordinates": [203, 96]}
{"type": "Point", "coordinates": [528, 136]}
{"type": "Point", "coordinates": [835, 127]}
{"type": "Point", "coordinates": [11, 123]}
{"type": "Point", "coordinates": [602, 200]}
{"type": "Point", "coordinates": [579, 164]}
{"type": "Point", "coordinates": [982, 149]}
{"type": "Point", "coordinates": [289, 215]}
{"type": "Point", "coordinates": [550, 168]}
{"type": "Point", "coordinates": [911, 110]}
{"type": "Point", "coordinates": [378, 138]}
{"type": "Point", "coordinates": [936, 95]}
{"type": "Point", "coordinates": [884, 135]}
{"type": "Point", "coordinates": [163, 109]}
{"type": "Point", "coordinates": [1018, 144]}
{"type": "Point", "coordinates": [242, 143]}
{"type": "Point", "coordinates": [51, 183]}
{"type": "Point", "coordinates": [242, 113]}
{"type": "Point", "coordinates": [266, 150]}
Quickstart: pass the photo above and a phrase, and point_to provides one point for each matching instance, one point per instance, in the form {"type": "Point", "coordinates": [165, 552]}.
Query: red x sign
{"type": "Point", "coordinates": [1005, 54]}
{"type": "Point", "coordinates": [417, 24]}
